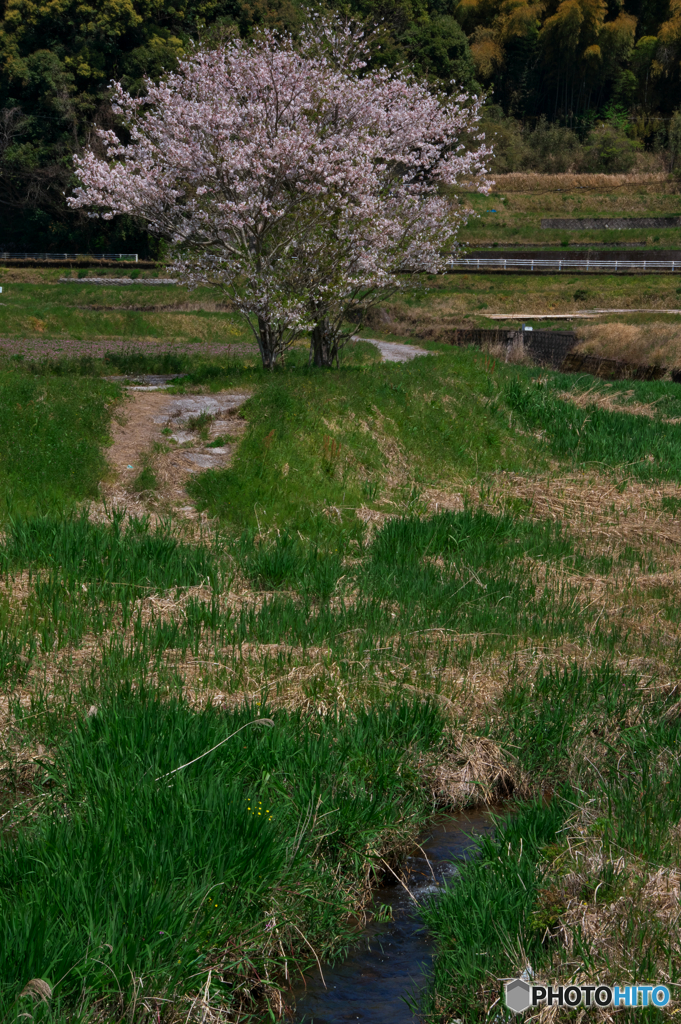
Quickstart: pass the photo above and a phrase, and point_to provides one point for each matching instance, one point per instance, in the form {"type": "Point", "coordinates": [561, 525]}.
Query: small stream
{"type": "Point", "coordinates": [384, 972]}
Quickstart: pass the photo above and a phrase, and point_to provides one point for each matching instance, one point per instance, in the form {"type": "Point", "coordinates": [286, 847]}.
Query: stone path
{"type": "Point", "coordinates": [396, 352]}
{"type": "Point", "coordinates": [151, 418]}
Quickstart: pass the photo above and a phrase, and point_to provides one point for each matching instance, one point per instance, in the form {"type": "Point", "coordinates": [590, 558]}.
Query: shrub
{"type": "Point", "coordinates": [608, 150]}
{"type": "Point", "coordinates": [548, 148]}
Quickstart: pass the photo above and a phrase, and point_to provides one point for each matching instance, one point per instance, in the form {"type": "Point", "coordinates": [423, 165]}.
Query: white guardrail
{"type": "Point", "coordinates": [569, 265]}
{"type": "Point", "coordinates": [130, 256]}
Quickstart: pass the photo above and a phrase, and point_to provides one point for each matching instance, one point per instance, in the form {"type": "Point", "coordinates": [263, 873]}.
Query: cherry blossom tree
{"type": "Point", "coordinates": [291, 176]}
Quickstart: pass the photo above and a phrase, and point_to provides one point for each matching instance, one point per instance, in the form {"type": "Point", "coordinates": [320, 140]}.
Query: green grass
{"type": "Point", "coordinates": [110, 873]}
{"type": "Point", "coordinates": [145, 481]}
{"type": "Point", "coordinates": [52, 434]}
{"type": "Point", "coordinates": [106, 554]}
{"type": "Point", "coordinates": [552, 722]}
{"type": "Point", "coordinates": [321, 445]}
{"type": "Point", "coordinates": [318, 443]}
{"type": "Point", "coordinates": [489, 577]}
{"type": "Point", "coordinates": [519, 214]}
{"type": "Point", "coordinates": [465, 300]}
{"type": "Point", "coordinates": [481, 922]}
{"type": "Point", "coordinates": [292, 525]}
{"type": "Point", "coordinates": [45, 320]}
{"type": "Point", "coordinates": [663, 397]}
{"type": "Point", "coordinates": [671, 504]}
{"type": "Point", "coordinates": [455, 571]}
{"type": "Point", "coordinates": [636, 445]}
{"type": "Point", "coordinates": [254, 849]}
{"type": "Point", "coordinates": [571, 729]}
{"type": "Point", "coordinates": [50, 310]}
{"type": "Point", "coordinates": [88, 577]}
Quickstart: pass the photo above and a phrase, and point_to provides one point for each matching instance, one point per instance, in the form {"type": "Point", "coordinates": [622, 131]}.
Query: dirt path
{"type": "Point", "coordinates": [156, 430]}
{"type": "Point", "coordinates": [396, 352]}
{"type": "Point", "coordinates": [159, 431]}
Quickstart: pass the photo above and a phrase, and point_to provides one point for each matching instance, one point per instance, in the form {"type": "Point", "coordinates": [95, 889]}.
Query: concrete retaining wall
{"type": "Point", "coordinates": [619, 223]}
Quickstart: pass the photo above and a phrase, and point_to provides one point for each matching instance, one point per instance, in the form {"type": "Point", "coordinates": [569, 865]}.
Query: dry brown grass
{"type": "Point", "coordinates": [514, 353]}
{"type": "Point", "coordinates": [609, 519]}
{"type": "Point", "coordinates": [592, 921]}
{"type": "Point", "coordinates": [530, 197]}
{"type": "Point", "coordinates": [30, 275]}
{"type": "Point", "coordinates": [474, 773]}
{"type": "Point", "coordinates": [605, 514]}
{"type": "Point", "coordinates": [436, 322]}
{"type": "Point", "coordinates": [613, 401]}
{"type": "Point", "coordinates": [657, 343]}
{"type": "Point", "coordinates": [521, 181]}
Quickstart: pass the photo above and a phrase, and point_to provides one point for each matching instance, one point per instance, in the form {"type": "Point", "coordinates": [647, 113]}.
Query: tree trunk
{"type": "Point", "coordinates": [323, 347]}
{"type": "Point", "coordinates": [267, 343]}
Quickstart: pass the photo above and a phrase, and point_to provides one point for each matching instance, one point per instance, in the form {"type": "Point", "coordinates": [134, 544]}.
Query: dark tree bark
{"type": "Point", "coordinates": [269, 343]}
{"type": "Point", "coordinates": [323, 345]}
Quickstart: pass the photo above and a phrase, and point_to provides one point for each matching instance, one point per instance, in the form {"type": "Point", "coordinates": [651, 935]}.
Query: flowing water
{"type": "Point", "coordinates": [380, 979]}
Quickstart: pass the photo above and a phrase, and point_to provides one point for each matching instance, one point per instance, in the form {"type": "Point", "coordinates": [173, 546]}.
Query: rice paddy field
{"type": "Point", "coordinates": [512, 213]}
{"type": "Point", "coordinates": [235, 689]}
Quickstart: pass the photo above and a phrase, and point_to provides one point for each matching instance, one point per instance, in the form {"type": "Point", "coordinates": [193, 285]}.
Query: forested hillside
{"type": "Point", "coordinates": [586, 84]}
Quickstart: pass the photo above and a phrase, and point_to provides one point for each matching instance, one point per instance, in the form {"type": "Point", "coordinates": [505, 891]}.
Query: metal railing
{"type": "Point", "coordinates": [129, 256]}
{"type": "Point", "coordinates": [559, 264]}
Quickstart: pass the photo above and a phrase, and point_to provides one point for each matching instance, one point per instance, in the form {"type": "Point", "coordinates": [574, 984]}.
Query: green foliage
{"type": "Point", "coordinates": [465, 571]}
{"type": "Point", "coordinates": [483, 919]}
{"type": "Point", "coordinates": [330, 430]}
{"type": "Point", "coordinates": [571, 730]}
{"type": "Point", "coordinates": [549, 148]}
{"type": "Point", "coordinates": [552, 148]}
{"type": "Point", "coordinates": [51, 437]}
{"type": "Point", "coordinates": [287, 561]}
{"type": "Point", "coordinates": [123, 553]}
{"type": "Point", "coordinates": [468, 571]}
{"type": "Point", "coordinates": [145, 481]}
{"type": "Point", "coordinates": [132, 362]}
{"type": "Point", "coordinates": [609, 151]}
{"type": "Point", "coordinates": [89, 577]}
{"type": "Point", "coordinates": [116, 870]}
{"type": "Point", "coordinates": [546, 723]}
{"type": "Point", "coordinates": [642, 447]}
{"type": "Point", "coordinates": [671, 504]}
{"type": "Point", "coordinates": [165, 874]}
{"type": "Point", "coordinates": [438, 48]}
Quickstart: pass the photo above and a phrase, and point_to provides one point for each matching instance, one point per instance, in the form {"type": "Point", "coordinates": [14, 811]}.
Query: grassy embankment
{"type": "Point", "coordinates": [521, 201]}
{"type": "Point", "coordinates": [443, 582]}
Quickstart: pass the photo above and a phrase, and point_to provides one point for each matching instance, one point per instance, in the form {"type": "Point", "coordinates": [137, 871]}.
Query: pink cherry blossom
{"type": "Point", "coordinates": [292, 177]}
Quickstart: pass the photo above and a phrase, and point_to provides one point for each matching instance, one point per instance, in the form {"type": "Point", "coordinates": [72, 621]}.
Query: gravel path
{"type": "Point", "coordinates": [395, 352]}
